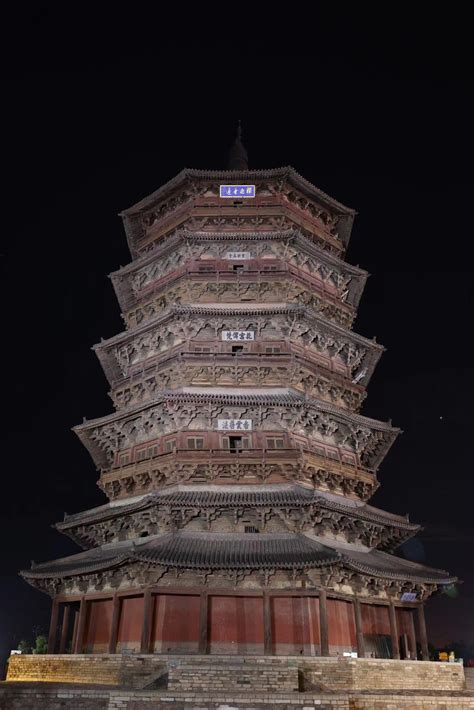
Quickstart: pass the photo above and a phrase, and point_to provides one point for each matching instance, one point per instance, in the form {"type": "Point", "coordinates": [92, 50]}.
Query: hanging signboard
{"type": "Point", "coordinates": [233, 191]}
{"type": "Point", "coordinates": [238, 335]}
{"type": "Point", "coordinates": [232, 255]}
{"type": "Point", "coordinates": [408, 597]}
{"type": "Point", "coordinates": [234, 424]}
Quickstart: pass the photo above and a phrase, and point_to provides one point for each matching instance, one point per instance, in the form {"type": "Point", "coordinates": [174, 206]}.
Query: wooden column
{"type": "Point", "coordinates": [115, 624]}
{"type": "Point", "coordinates": [53, 627]}
{"type": "Point", "coordinates": [412, 637]}
{"type": "Point", "coordinates": [64, 629]}
{"type": "Point", "coordinates": [81, 627]}
{"type": "Point", "coordinates": [267, 625]}
{"type": "Point", "coordinates": [425, 655]}
{"type": "Point", "coordinates": [359, 629]}
{"type": "Point", "coordinates": [147, 619]}
{"type": "Point", "coordinates": [323, 622]}
{"type": "Point", "coordinates": [394, 631]}
{"type": "Point", "coordinates": [203, 621]}
{"type": "Point", "coordinates": [74, 631]}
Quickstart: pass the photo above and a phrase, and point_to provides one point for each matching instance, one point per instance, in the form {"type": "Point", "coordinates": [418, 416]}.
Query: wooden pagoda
{"type": "Point", "coordinates": [236, 464]}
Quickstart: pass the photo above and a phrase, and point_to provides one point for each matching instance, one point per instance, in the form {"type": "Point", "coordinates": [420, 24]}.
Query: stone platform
{"type": "Point", "coordinates": [113, 682]}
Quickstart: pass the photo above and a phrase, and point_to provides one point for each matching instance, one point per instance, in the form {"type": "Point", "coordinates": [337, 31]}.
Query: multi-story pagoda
{"type": "Point", "coordinates": [236, 465]}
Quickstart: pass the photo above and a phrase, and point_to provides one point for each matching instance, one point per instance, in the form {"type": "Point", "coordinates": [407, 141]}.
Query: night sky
{"type": "Point", "coordinates": [100, 113]}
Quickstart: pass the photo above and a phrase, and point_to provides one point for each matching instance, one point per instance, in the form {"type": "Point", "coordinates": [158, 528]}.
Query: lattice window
{"type": "Point", "coordinates": [170, 446]}
{"type": "Point", "coordinates": [141, 455]}
{"type": "Point", "coordinates": [275, 443]}
{"type": "Point", "coordinates": [236, 443]}
{"type": "Point", "coordinates": [195, 442]}
{"type": "Point", "coordinates": [251, 529]}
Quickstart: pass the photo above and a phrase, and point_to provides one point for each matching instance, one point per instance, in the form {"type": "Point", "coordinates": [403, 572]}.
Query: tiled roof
{"type": "Point", "coordinates": [168, 243]}
{"type": "Point", "coordinates": [389, 566]}
{"type": "Point", "coordinates": [246, 309]}
{"type": "Point", "coordinates": [284, 497]}
{"type": "Point", "coordinates": [197, 551]}
{"type": "Point", "coordinates": [236, 551]}
{"type": "Point", "coordinates": [187, 173]}
{"type": "Point", "coordinates": [279, 396]}
{"type": "Point", "coordinates": [83, 563]}
{"type": "Point", "coordinates": [230, 551]}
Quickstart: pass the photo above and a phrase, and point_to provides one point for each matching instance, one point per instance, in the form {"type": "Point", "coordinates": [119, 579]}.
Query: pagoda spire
{"type": "Point", "coordinates": [238, 158]}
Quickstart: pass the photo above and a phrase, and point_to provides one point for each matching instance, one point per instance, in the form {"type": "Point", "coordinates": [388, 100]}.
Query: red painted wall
{"type": "Point", "coordinates": [235, 624]}
{"type": "Point", "coordinates": [130, 625]}
{"type": "Point", "coordinates": [98, 626]}
{"type": "Point", "coordinates": [341, 626]}
{"type": "Point", "coordinates": [175, 623]}
{"type": "Point", "coordinates": [404, 621]}
{"type": "Point", "coordinates": [295, 626]}
{"type": "Point", "coordinates": [375, 620]}
{"type": "Point", "coordinates": [376, 629]}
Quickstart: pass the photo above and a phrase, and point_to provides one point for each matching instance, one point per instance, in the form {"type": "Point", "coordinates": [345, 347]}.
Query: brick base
{"type": "Point", "coordinates": [231, 682]}
{"type": "Point", "coordinates": [18, 696]}
{"type": "Point", "coordinates": [264, 674]}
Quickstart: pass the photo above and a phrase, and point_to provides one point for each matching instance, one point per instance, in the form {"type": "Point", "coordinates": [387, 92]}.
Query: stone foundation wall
{"type": "Point", "coordinates": [270, 675]}
{"type": "Point", "coordinates": [17, 696]}
{"type": "Point", "coordinates": [377, 674]}
{"type": "Point", "coordinates": [264, 673]}
{"type": "Point", "coordinates": [118, 670]}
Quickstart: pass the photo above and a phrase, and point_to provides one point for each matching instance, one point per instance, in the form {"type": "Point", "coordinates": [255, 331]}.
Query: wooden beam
{"type": "Point", "coordinates": [394, 631]}
{"type": "Point", "coordinates": [147, 619]}
{"type": "Point", "coordinates": [203, 622]}
{"type": "Point", "coordinates": [53, 627]}
{"type": "Point", "coordinates": [359, 629]}
{"type": "Point", "coordinates": [115, 624]}
{"type": "Point", "coordinates": [64, 629]}
{"type": "Point", "coordinates": [267, 626]}
{"type": "Point", "coordinates": [323, 622]}
{"type": "Point", "coordinates": [425, 654]}
{"type": "Point", "coordinates": [81, 627]}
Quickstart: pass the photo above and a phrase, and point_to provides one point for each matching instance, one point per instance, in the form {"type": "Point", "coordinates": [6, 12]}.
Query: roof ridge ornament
{"type": "Point", "coordinates": [238, 157]}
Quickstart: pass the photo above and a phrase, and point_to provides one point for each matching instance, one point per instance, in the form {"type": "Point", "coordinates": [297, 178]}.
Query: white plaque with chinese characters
{"type": "Point", "coordinates": [234, 424]}
{"type": "Point", "coordinates": [229, 191]}
{"type": "Point", "coordinates": [409, 597]}
{"type": "Point", "coordinates": [239, 335]}
{"type": "Point", "coordinates": [235, 255]}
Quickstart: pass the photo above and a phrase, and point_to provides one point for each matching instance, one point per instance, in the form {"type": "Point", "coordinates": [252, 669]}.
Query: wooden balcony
{"type": "Point", "coordinates": [143, 471]}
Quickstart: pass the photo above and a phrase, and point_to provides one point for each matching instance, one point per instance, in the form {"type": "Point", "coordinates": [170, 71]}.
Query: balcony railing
{"type": "Point", "coordinates": [244, 357]}
{"type": "Point", "coordinates": [264, 455]}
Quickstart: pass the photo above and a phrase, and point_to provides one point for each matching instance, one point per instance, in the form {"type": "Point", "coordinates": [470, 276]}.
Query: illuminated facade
{"type": "Point", "coordinates": [236, 465]}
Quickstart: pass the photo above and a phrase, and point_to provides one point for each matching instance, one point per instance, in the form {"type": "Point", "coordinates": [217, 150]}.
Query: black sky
{"type": "Point", "coordinates": [99, 111]}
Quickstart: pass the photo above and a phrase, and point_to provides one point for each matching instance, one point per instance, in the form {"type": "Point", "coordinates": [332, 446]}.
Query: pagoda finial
{"type": "Point", "coordinates": [238, 158]}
